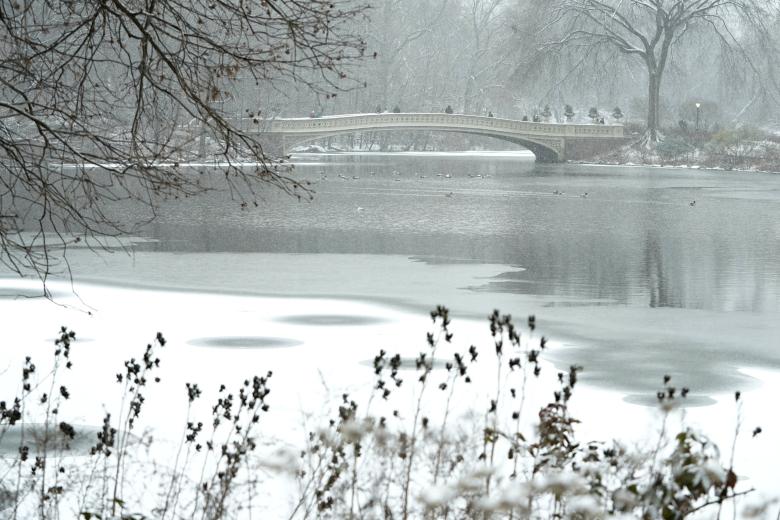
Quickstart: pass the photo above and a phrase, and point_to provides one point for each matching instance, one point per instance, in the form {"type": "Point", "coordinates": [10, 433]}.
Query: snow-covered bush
{"type": "Point", "coordinates": [482, 464]}
{"type": "Point", "coordinates": [406, 448]}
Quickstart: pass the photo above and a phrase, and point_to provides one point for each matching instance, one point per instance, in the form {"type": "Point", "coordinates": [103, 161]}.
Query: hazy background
{"type": "Point", "coordinates": [496, 56]}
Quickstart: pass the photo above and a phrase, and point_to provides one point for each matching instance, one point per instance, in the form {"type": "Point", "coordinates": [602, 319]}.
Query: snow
{"type": "Point", "coordinates": [309, 378]}
{"type": "Point", "coordinates": [435, 496]}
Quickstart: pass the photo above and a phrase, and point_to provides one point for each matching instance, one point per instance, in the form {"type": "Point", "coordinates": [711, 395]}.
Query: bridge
{"type": "Point", "coordinates": [550, 142]}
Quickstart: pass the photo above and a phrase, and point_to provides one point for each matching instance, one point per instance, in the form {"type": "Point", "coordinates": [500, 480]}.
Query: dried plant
{"type": "Point", "coordinates": [426, 457]}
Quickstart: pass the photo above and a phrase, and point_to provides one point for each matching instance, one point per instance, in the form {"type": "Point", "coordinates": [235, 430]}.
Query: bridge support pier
{"type": "Point", "coordinates": [583, 149]}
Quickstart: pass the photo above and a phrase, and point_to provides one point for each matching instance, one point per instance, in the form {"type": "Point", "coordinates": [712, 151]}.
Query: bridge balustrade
{"type": "Point", "coordinates": [445, 120]}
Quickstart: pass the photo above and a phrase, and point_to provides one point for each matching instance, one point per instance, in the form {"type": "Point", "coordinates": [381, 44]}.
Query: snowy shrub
{"type": "Point", "coordinates": [675, 150]}
{"type": "Point", "coordinates": [735, 147]}
{"type": "Point", "coordinates": [406, 448]}
{"type": "Point", "coordinates": [481, 465]}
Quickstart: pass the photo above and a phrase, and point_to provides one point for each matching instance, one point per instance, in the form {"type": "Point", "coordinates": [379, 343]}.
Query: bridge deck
{"type": "Point", "coordinates": [453, 121]}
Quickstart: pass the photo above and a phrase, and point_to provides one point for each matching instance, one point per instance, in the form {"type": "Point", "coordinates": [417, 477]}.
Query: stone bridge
{"type": "Point", "coordinates": [550, 142]}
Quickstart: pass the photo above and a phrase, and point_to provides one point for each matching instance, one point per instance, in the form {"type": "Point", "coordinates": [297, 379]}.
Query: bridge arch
{"type": "Point", "coordinates": [542, 152]}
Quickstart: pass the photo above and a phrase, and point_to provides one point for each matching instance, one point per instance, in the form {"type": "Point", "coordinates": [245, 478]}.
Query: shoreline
{"type": "Point", "coordinates": [670, 167]}
{"type": "Point", "coordinates": [524, 153]}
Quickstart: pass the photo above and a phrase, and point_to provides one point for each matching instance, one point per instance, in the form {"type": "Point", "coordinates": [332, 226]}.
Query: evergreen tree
{"type": "Point", "coordinates": [568, 112]}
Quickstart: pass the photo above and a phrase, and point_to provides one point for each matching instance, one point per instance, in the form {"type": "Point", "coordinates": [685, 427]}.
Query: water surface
{"type": "Point", "coordinates": [618, 263]}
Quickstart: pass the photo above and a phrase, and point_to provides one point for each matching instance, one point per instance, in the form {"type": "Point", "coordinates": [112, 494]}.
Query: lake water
{"type": "Point", "coordinates": [633, 277]}
{"type": "Point", "coordinates": [628, 276]}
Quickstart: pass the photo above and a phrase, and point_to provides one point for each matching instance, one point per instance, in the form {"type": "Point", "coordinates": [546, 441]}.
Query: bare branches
{"type": "Point", "coordinates": [93, 97]}
{"type": "Point", "coordinates": [650, 30]}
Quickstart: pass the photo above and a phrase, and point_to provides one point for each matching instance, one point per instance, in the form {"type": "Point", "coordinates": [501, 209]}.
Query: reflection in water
{"type": "Point", "coordinates": [689, 402]}
{"type": "Point", "coordinates": [642, 283]}
{"type": "Point", "coordinates": [331, 320]}
{"type": "Point", "coordinates": [657, 284]}
{"type": "Point", "coordinates": [244, 342]}
{"type": "Point", "coordinates": [413, 364]}
{"type": "Point", "coordinates": [38, 437]}
{"type": "Point", "coordinates": [635, 240]}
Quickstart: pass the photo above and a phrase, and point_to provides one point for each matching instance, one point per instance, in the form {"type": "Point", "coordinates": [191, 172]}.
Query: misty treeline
{"type": "Point", "coordinates": [514, 57]}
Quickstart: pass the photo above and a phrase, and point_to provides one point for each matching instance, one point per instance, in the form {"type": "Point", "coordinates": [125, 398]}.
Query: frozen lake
{"type": "Point", "coordinates": [630, 281]}
{"type": "Point", "coordinates": [636, 280]}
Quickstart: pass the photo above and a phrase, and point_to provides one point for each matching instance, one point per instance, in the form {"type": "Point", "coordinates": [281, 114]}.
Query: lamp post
{"type": "Point", "coordinates": [698, 111]}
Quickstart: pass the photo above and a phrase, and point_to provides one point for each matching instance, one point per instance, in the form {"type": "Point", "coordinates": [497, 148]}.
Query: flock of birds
{"type": "Point", "coordinates": [397, 177]}
{"type": "Point", "coordinates": [582, 195]}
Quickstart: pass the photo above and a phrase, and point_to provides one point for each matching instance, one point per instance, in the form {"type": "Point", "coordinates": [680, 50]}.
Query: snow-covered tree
{"type": "Point", "coordinates": [568, 112]}
{"type": "Point", "coordinates": [649, 31]}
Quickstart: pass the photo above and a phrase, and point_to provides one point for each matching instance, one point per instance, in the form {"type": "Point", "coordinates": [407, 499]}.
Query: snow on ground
{"type": "Point", "coordinates": [317, 348]}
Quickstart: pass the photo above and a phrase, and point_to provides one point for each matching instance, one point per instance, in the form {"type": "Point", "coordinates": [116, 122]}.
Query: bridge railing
{"type": "Point", "coordinates": [430, 120]}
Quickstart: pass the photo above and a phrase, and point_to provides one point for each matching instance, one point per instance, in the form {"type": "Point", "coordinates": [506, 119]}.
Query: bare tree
{"type": "Point", "coordinates": [99, 102]}
{"type": "Point", "coordinates": [649, 31]}
{"type": "Point", "coordinates": [484, 53]}
{"type": "Point", "coordinates": [398, 24]}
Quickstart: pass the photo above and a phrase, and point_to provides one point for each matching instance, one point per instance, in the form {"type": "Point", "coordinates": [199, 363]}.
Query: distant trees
{"type": "Point", "coordinates": [546, 113]}
{"type": "Point", "coordinates": [650, 31]}
{"type": "Point", "coordinates": [423, 52]}
{"type": "Point", "coordinates": [568, 112]}
{"type": "Point", "coordinates": [101, 101]}
{"type": "Point", "coordinates": [426, 52]}
{"type": "Point", "coordinates": [485, 57]}
{"type": "Point", "coordinates": [391, 31]}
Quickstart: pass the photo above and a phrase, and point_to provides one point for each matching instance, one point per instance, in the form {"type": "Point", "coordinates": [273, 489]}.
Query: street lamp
{"type": "Point", "coordinates": [698, 110]}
